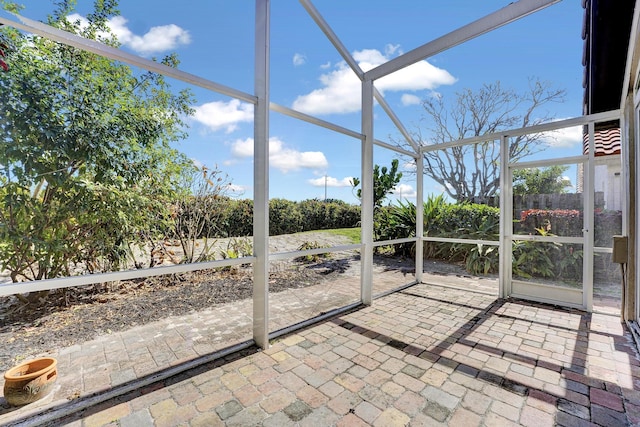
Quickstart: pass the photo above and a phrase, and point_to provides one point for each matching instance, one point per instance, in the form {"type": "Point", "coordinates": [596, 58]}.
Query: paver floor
{"type": "Point", "coordinates": [427, 355]}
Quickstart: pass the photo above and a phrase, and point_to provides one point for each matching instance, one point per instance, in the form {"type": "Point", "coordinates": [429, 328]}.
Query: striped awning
{"type": "Point", "coordinates": [607, 142]}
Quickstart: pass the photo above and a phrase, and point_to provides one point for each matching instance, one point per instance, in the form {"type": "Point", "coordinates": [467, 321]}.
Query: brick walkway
{"type": "Point", "coordinates": [423, 356]}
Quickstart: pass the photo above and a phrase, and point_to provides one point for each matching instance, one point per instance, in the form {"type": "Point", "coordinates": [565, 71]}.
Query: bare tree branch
{"type": "Point", "coordinates": [471, 171]}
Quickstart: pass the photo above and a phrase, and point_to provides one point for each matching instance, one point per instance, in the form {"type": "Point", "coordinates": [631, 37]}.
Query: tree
{"type": "Point", "coordinates": [196, 216]}
{"type": "Point", "coordinates": [471, 172]}
{"type": "Point", "coordinates": [384, 181]}
{"type": "Point", "coordinates": [86, 165]}
{"type": "Point", "coordinates": [540, 180]}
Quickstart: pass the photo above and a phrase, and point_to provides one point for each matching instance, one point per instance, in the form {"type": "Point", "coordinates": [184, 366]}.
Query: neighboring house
{"type": "Point", "coordinates": [608, 169]}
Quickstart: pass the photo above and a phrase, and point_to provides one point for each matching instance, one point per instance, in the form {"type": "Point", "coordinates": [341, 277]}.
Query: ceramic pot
{"type": "Point", "coordinates": [30, 381]}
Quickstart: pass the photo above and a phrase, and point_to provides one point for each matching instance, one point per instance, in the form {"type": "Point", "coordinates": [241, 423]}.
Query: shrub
{"type": "Point", "coordinates": [564, 222]}
{"type": "Point", "coordinates": [442, 219]}
{"type": "Point", "coordinates": [237, 248]}
{"type": "Point", "coordinates": [482, 259]}
{"type": "Point", "coordinates": [305, 246]}
{"type": "Point", "coordinates": [570, 265]}
{"type": "Point", "coordinates": [432, 208]}
{"type": "Point", "coordinates": [239, 218]}
{"type": "Point", "coordinates": [228, 217]}
{"type": "Point", "coordinates": [534, 259]}
{"type": "Point", "coordinates": [328, 214]}
{"type": "Point", "coordinates": [284, 217]}
{"type": "Point", "coordinates": [469, 220]}
{"type": "Point", "coordinates": [396, 222]}
{"type": "Point", "coordinates": [466, 221]}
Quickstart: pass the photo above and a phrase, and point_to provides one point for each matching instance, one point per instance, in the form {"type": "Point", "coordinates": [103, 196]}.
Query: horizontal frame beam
{"type": "Point", "coordinates": [314, 120]}
{"type": "Point", "coordinates": [90, 279]}
{"type": "Point", "coordinates": [317, 251]}
{"type": "Point", "coordinates": [463, 241]}
{"type": "Point", "coordinates": [395, 148]}
{"type": "Point", "coordinates": [543, 127]}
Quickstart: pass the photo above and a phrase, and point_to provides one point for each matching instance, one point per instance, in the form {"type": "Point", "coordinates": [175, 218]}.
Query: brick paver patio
{"type": "Point", "coordinates": [426, 355]}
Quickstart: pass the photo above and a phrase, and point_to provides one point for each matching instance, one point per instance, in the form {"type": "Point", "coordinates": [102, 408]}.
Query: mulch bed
{"type": "Point", "coordinates": [76, 315]}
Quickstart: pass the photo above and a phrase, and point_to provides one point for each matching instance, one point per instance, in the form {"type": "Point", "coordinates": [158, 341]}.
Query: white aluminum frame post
{"type": "Point", "coordinates": [261, 177]}
{"type": "Point", "coordinates": [366, 201]}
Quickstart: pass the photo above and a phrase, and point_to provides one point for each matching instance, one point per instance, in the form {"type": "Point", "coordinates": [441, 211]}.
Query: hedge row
{"type": "Point", "coordinates": [233, 218]}
{"type": "Point", "coordinates": [481, 222]}
{"type": "Point", "coordinates": [569, 222]}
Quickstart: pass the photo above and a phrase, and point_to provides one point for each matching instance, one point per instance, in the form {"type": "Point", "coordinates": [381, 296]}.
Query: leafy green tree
{"type": "Point", "coordinates": [86, 165]}
{"type": "Point", "coordinates": [384, 181]}
{"type": "Point", "coordinates": [540, 180]}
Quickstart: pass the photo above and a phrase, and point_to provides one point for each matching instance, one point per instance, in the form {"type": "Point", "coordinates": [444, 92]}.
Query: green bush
{"type": "Point", "coordinates": [482, 259]}
{"type": "Point", "coordinates": [465, 221]}
{"type": "Point", "coordinates": [234, 218]}
{"type": "Point", "coordinates": [328, 214]}
{"type": "Point", "coordinates": [570, 265]}
{"type": "Point", "coordinates": [563, 222]}
{"type": "Point", "coordinates": [432, 208]}
{"type": "Point", "coordinates": [239, 219]}
{"type": "Point", "coordinates": [307, 245]}
{"type": "Point", "coordinates": [534, 259]}
{"type": "Point", "coordinates": [396, 222]}
{"type": "Point", "coordinates": [284, 217]}
{"type": "Point", "coordinates": [441, 219]}
{"type": "Point", "coordinates": [569, 222]}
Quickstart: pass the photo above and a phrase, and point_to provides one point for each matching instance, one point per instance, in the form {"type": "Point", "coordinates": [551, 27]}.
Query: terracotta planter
{"type": "Point", "coordinates": [30, 381]}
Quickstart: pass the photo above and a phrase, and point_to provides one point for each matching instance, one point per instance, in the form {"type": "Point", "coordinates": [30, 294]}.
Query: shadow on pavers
{"type": "Point", "coordinates": [36, 414]}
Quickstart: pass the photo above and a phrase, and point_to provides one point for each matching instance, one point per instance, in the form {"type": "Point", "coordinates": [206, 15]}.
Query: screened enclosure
{"type": "Point", "coordinates": [102, 204]}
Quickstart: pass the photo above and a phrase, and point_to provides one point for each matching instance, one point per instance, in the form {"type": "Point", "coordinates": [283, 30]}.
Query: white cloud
{"type": "Point", "coordinates": [158, 39]}
{"type": "Point", "coordinates": [391, 49]}
{"type": "Point", "coordinates": [340, 92]}
{"type": "Point", "coordinates": [77, 17]}
{"type": "Point", "coordinates": [409, 166]}
{"type": "Point", "coordinates": [409, 99]}
{"type": "Point", "coordinates": [282, 157]}
{"type": "Point", "coordinates": [419, 76]}
{"type": "Point", "coordinates": [223, 115]}
{"type": "Point", "coordinates": [236, 190]}
{"type": "Point", "coordinates": [404, 191]}
{"type": "Point", "coordinates": [242, 148]}
{"type": "Point", "coordinates": [330, 181]}
{"type": "Point", "coordinates": [326, 66]}
{"type": "Point", "coordinates": [563, 138]}
{"type": "Point", "coordinates": [299, 59]}
{"type": "Point", "coordinates": [287, 159]}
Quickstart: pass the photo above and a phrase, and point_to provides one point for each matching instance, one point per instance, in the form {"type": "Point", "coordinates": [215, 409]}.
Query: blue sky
{"type": "Point", "coordinates": [214, 39]}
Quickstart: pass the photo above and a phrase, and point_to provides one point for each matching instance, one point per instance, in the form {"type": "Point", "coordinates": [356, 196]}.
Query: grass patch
{"type": "Point", "coordinates": [353, 234]}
